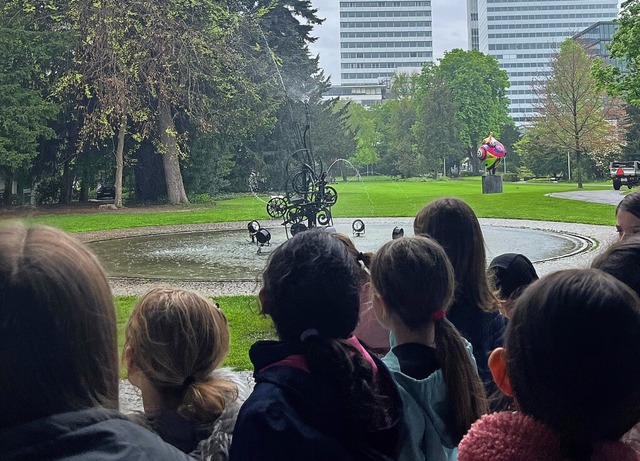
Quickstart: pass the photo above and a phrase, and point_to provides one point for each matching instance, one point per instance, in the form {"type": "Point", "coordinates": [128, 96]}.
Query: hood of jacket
{"type": "Point", "coordinates": [93, 434]}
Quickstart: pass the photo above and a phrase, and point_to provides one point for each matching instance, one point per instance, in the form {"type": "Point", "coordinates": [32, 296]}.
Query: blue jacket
{"type": "Point", "coordinates": [91, 435]}
{"type": "Point", "coordinates": [426, 407]}
{"type": "Point", "coordinates": [292, 415]}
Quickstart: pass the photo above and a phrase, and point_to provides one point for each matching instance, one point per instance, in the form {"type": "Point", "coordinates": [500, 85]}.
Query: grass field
{"type": "Point", "coordinates": [372, 197]}
{"type": "Point", "coordinates": [368, 198]}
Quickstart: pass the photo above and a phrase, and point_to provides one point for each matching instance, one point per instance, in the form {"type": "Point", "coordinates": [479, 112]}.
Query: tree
{"type": "Point", "coordinates": [625, 47]}
{"type": "Point", "coordinates": [478, 87]}
{"type": "Point", "coordinates": [361, 122]}
{"type": "Point", "coordinates": [573, 112]}
{"type": "Point", "coordinates": [437, 130]}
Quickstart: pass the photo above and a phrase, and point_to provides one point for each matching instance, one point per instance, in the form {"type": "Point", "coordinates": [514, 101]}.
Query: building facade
{"type": "Point", "coordinates": [472, 24]}
{"type": "Point", "coordinates": [379, 37]}
{"type": "Point", "coordinates": [523, 35]}
{"type": "Point", "coordinates": [596, 38]}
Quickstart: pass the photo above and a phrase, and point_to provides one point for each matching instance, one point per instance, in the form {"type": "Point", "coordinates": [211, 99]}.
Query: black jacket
{"type": "Point", "coordinates": [291, 415]}
{"type": "Point", "coordinates": [92, 435]}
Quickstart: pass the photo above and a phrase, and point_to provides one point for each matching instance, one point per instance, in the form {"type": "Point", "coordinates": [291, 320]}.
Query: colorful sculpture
{"type": "Point", "coordinates": [491, 152]}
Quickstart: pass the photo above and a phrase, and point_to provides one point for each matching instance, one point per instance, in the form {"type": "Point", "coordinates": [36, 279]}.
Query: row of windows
{"type": "Point", "coordinates": [525, 101]}
{"type": "Point", "coordinates": [411, 33]}
{"type": "Point", "coordinates": [539, 73]}
{"type": "Point", "coordinates": [363, 76]}
{"type": "Point", "coordinates": [380, 65]}
{"type": "Point", "coordinates": [532, 17]}
{"type": "Point", "coordinates": [387, 54]}
{"type": "Point", "coordinates": [510, 92]}
{"type": "Point", "coordinates": [524, 110]}
{"type": "Point", "coordinates": [424, 44]}
{"type": "Point", "coordinates": [474, 16]}
{"type": "Point", "coordinates": [511, 65]}
{"type": "Point", "coordinates": [524, 56]}
{"type": "Point", "coordinates": [382, 4]}
{"type": "Point", "coordinates": [557, 25]}
{"type": "Point", "coordinates": [579, 6]}
{"type": "Point", "coordinates": [384, 14]}
{"type": "Point", "coordinates": [530, 34]}
{"type": "Point", "coordinates": [381, 24]}
{"type": "Point", "coordinates": [523, 46]}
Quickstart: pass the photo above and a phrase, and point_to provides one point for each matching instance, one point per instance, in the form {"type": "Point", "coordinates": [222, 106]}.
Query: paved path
{"type": "Point", "coordinates": [608, 197]}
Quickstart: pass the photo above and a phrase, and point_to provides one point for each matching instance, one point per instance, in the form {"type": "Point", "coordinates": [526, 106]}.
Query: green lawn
{"type": "Point", "coordinates": [245, 324]}
{"type": "Point", "coordinates": [369, 198]}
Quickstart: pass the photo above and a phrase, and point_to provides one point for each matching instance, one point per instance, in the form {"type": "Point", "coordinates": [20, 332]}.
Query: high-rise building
{"type": "Point", "coordinates": [472, 24]}
{"type": "Point", "coordinates": [524, 35]}
{"type": "Point", "coordinates": [378, 38]}
{"type": "Point", "coordinates": [596, 38]}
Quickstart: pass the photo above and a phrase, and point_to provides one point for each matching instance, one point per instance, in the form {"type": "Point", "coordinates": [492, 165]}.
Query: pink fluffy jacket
{"type": "Point", "coordinates": [514, 436]}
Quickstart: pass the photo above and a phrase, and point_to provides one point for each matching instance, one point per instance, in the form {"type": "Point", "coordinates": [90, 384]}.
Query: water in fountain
{"type": "Point", "coordinates": [358, 177]}
{"type": "Point", "coordinates": [253, 181]}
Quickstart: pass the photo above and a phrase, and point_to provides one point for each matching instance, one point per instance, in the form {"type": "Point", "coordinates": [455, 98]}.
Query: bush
{"type": "Point", "coordinates": [510, 177]}
{"type": "Point", "coordinates": [200, 199]}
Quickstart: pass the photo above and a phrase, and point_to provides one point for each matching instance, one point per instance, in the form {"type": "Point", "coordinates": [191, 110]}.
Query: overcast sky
{"type": "Point", "coordinates": [449, 19]}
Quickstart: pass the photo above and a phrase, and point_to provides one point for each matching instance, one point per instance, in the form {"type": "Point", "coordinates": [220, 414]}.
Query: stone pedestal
{"type": "Point", "coordinates": [492, 184]}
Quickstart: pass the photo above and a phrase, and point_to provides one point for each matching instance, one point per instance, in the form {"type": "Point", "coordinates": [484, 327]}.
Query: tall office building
{"type": "Point", "coordinates": [472, 24]}
{"type": "Point", "coordinates": [524, 35]}
{"type": "Point", "coordinates": [379, 38]}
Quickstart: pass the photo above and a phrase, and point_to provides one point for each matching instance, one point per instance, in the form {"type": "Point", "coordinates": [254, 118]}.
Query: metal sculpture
{"type": "Point", "coordinates": [491, 152]}
{"type": "Point", "coordinates": [307, 199]}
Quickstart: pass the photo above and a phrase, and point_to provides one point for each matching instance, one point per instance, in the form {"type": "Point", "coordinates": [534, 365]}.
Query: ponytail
{"type": "Point", "coordinates": [205, 400]}
{"type": "Point", "coordinates": [461, 378]}
{"type": "Point", "coordinates": [360, 404]}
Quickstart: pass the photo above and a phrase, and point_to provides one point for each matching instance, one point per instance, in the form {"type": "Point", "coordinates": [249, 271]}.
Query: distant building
{"type": "Point", "coordinates": [379, 37]}
{"type": "Point", "coordinates": [523, 35]}
{"type": "Point", "coordinates": [472, 24]}
{"type": "Point", "coordinates": [596, 38]}
{"type": "Point", "coordinates": [367, 95]}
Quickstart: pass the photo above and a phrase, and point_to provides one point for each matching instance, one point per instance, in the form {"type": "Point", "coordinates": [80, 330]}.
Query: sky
{"type": "Point", "coordinates": [449, 19]}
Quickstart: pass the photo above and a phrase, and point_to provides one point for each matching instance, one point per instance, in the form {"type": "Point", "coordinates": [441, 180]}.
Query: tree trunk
{"type": "Point", "coordinates": [578, 169]}
{"type": "Point", "coordinates": [172, 175]}
{"type": "Point", "coordinates": [343, 173]}
{"type": "Point", "coordinates": [66, 185]}
{"type": "Point", "coordinates": [122, 130]}
{"type": "Point", "coordinates": [6, 196]}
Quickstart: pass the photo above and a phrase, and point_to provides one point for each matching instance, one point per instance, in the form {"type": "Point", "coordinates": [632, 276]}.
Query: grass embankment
{"type": "Point", "coordinates": [245, 324]}
{"type": "Point", "coordinates": [369, 198]}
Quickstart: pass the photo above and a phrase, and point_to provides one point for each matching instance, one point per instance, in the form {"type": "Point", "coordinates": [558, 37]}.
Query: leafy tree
{"type": "Point", "coordinates": [437, 130]}
{"type": "Point", "coordinates": [625, 46]}
{"type": "Point", "coordinates": [572, 111]}
{"type": "Point", "coordinates": [478, 87]}
{"type": "Point", "coordinates": [362, 123]}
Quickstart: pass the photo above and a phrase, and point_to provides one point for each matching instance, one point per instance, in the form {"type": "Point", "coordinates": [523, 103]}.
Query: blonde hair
{"type": "Point", "coordinates": [57, 326]}
{"type": "Point", "coordinates": [178, 338]}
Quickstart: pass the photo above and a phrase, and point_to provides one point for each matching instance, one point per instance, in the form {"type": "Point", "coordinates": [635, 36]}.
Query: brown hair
{"type": "Point", "coordinates": [630, 203]}
{"type": "Point", "coordinates": [621, 260]}
{"type": "Point", "coordinates": [57, 326]}
{"type": "Point", "coordinates": [415, 279]}
{"type": "Point", "coordinates": [178, 338]}
{"type": "Point", "coordinates": [364, 258]}
{"type": "Point", "coordinates": [454, 225]}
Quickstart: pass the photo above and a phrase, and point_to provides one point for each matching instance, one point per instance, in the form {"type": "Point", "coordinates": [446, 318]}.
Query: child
{"type": "Point", "coordinates": [512, 273]}
{"type": "Point", "coordinates": [58, 355]}
{"type": "Point", "coordinates": [628, 215]}
{"type": "Point", "coordinates": [432, 364]}
{"type": "Point", "coordinates": [570, 363]}
{"type": "Point", "coordinates": [175, 341]}
{"type": "Point", "coordinates": [475, 309]}
{"type": "Point", "coordinates": [319, 394]}
{"type": "Point", "coordinates": [368, 330]}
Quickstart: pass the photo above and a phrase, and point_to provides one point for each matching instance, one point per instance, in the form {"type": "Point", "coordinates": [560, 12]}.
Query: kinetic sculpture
{"type": "Point", "coordinates": [491, 152]}
{"type": "Point", "coordinates": [308, 199]}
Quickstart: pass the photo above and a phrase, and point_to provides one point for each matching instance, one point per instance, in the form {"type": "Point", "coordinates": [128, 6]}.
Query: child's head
{"type": "Point", "coordinates": [175, 339]}
{"type": "Point", "coordinates": [57, 327]}
{"type": "Point", "coordinates": [628, 215]}
{"type": "Point", "coordinates": [414, 283]}
{"type": "Point", "coordinates": [311, 282]}
{"type": "Point", "coordinates": [363, 259]}
{"type": "Point", "coordinates": [622, 261]}
{"type": "Point", "coordinates": [512, 273]}
{"type": "Point", "coordinates": [454, 225]}
{"type": "Point", "coordinates": [571, 357]}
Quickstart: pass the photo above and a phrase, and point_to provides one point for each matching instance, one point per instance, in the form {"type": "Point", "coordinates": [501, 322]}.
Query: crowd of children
{"type": "Point", "coordinates": [417, 352]}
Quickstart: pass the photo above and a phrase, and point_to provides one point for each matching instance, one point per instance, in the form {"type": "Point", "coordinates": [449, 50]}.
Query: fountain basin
{"type": "Point", "coordinates": [228, 255]}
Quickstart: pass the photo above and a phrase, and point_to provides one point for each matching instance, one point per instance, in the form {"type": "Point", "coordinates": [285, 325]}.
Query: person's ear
{"type": "Point", "coordinates": [498, 367]}
{"type": "Point", "coordinates": [380, 308]}
{"type": "Point", "coordinates": [261, 296]}
{"type": "Point", "coordinates": [132, 369]}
